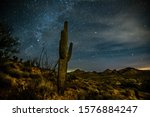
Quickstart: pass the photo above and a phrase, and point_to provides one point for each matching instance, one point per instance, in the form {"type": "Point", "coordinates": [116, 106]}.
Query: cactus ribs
{"type": "Point", "coordinates": [64, 57]}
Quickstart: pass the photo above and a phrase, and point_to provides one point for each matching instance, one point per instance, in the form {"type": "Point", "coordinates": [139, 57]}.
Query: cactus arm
{"type": "Point", "coordinates": [70, 51]}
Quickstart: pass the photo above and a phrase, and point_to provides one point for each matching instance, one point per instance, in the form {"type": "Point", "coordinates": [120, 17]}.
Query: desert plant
{"type": "Point", "coordinates": [5, 81]}
{"type": "Point", "coordinates": [8, 43]}
{"type": "Point", "coordinates": [64, 57]}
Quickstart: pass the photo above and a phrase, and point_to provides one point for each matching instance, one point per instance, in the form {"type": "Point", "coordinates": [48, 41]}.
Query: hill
{"type": "Point", "coordinates": [19, 80]}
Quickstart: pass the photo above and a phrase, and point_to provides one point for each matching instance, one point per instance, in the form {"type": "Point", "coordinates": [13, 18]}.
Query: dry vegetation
{"type": "Point", "coordinates": [20, 81]}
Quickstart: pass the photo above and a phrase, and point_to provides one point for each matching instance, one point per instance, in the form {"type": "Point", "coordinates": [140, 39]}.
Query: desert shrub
{"type": "Point", "coordinates": [13, 70]}
{"type": "Point", "coordinates": [34, 75]}
{"type": "Point", "coordinates": [145, 85]}
{"type": "Point", "coordinates": [71, 77]}
{"type": "Point", "coordinates": [19, 93]}
{"type": "Point", "coordinates": [82, 94]}
{"type": "Point", "coordinates": [50, 76]}
{"type": "Point", "coordinates": [27, 69]}
{"type": "Point", "coordinates": [92, 93]}
{"type": "Point", "coordinates": [129, 83]}
{"type": "Point", "coordinates": [5, 82]}
{"type": "Point", "coordinates": [37, 89]}
{"type": "Point", "coordinates": [9, 44]}
{"type": "Point", "coordinates": [4, 67]}
{"type": "Point", "coordinates": [106, 96]}
{"type": "Point", "coordinates": [18, 74]}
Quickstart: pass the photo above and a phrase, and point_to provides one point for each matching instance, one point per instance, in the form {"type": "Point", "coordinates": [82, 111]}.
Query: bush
{"type": "Point", "coordinates": [5, 82]}
{"type": "Point", "coordinates": [8, 43]}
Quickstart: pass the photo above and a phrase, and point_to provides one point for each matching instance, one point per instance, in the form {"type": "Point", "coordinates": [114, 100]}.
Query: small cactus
{"type": "Point", "coordinates": [64, 57]}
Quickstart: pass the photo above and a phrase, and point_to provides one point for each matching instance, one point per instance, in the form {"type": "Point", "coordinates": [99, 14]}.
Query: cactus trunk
{"type": "Point", "coordinates": [64, 57]}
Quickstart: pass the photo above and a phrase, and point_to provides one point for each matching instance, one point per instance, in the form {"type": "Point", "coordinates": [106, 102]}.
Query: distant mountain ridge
{"type": "Point", "coordinates": [129, 70]}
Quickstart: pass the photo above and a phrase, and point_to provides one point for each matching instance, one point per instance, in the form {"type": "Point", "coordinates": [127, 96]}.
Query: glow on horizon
{"type": "Point", "coordinates": [70, 70]}
{"type": "Point", "coordinates": [144, 68]}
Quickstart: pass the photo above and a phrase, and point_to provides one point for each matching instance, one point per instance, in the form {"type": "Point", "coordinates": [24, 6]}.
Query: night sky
{"type": "Point", "coordinates": [110, 34]}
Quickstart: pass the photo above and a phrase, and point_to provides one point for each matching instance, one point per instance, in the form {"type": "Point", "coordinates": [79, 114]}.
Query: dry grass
{"type": "Point", "coordinates": [19, 81]}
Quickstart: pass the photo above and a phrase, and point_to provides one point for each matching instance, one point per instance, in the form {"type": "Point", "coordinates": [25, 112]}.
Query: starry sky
{"type": "Point", "coordinates": [106, 34]}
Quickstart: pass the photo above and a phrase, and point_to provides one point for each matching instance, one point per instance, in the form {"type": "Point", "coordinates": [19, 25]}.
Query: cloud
{"type": "Point", "coordinates": [116, 33]}
{"type": "Point", "coordinates": [105, 33]}
{"type": "Point", "coordinates": [126, 30]}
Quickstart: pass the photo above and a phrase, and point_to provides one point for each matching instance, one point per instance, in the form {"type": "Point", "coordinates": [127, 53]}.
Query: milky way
{"type": "Point", "coordinates": [106, 33]}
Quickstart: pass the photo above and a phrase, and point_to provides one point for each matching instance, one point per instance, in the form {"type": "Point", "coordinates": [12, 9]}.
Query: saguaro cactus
{"type": "Point", "coordinates": [64, 57]}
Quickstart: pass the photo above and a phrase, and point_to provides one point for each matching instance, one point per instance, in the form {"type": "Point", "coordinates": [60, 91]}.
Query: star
{"type": "Point", "coordinates": [102, 31]}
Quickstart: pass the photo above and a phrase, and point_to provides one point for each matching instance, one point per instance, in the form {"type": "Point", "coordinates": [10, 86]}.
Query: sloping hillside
{"type": "Point", "coordinates": [19, 80]}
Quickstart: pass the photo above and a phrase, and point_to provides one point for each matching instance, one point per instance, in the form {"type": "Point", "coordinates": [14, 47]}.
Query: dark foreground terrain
{"type": "Point", "coordinates": [20, 80]}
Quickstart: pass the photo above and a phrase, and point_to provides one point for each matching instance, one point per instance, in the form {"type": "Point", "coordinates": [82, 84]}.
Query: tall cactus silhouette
{"type": "Point", "coordinates": [64, 57]}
